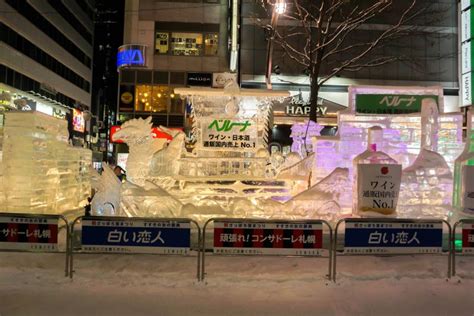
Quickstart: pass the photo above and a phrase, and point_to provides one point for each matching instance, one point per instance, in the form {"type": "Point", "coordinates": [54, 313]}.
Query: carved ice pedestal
{"type": "Point", "coordinates": [44, 174]}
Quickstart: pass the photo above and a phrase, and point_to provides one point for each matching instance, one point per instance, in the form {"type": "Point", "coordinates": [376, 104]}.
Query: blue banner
{"type": "Point", "coordinates": [136, 236]}
{"type": "Point", "coordinates": [364, 237]}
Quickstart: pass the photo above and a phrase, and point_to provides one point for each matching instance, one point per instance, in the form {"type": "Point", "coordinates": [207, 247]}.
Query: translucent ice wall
{"type": "Point", "coordinates": [44, 173]}
{"type": "Point", "coordinates": [2, 196]}
{"type": "Point", "coordinates": [402, 139]}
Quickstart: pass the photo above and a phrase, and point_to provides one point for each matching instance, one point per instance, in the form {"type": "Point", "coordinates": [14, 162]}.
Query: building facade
{"type": "Point", "coordinates": [434, 52]}
{"type": "Point", "coordinates": [183, 43]}
{"type": "Point", "coordinates": [46, 51]}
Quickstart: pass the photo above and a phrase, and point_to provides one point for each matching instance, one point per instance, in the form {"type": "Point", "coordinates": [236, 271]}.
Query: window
{"type": "Point", "coordinates": [30, 13]}
{"type": "Point", "coordinates": [186, 44]}
{"type": "Point", "coordinates": [211, 41]}
{"type": "Point", "coordinates": [161, 43]}
{"type": "Point", "coordinates": [24, 46]}
{"type": "Point", "coordinates": [143, 98]}
{"type": "Point", "coordinates": [19, 81]}
{"type": "Point", "coordinates": [71, 18]}
{"type": "Point", "coordinates": [160, 98]}
{"type": "Point", "coordinates": [185, 41]}
{"type": "Point", "coordinates": [157, 99]}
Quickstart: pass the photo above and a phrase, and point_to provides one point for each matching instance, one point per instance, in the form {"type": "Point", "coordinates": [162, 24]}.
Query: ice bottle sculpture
{"type": "Point", "coordinates": [463, 195]}
{"type": "Point", "coordinates": [376, 179]}
{"type": "Point", "coordinates": [427, 182]}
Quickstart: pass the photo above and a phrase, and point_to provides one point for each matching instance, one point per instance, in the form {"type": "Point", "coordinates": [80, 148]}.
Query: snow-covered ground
{"type": "Point", "coordinates": [34, 284]}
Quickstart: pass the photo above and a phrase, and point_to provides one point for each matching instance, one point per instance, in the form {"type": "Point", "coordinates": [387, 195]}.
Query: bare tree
{"type": "Point", "coordinates": [324, 36]}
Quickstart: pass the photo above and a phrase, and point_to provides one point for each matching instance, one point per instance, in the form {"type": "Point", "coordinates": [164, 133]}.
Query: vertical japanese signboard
{"type": "Point", "coordinates": [466, 52]}
{"type": "Point", "coordinates": [393, 237]}
{"type": "Point", "coordinates": [245, 238]}
{"type": "Point", "coordinates": [468, 238]}
{"type": "Point", "coordinates": [136, 236]}
{"type": "Point", "coordinates": [29, 233]}
{"type": "Point", "coordinates": [225, 134]}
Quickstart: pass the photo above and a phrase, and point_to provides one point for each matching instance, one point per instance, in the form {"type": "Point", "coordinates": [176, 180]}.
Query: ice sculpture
{"type": "Point", "coordinates": [229, 171]}
{"type": "Point", "coordinates": [106, 200]}
{"type": "Point", "coordinates": [44, 174]}
{"type": "Point", "coordinates": [463, 192]}
{"type": "Point", "coordinates": [148, 201]}
{"type": "Point", "coordinates": [142, 147]}
{"type": "Point", "coordinates": [2, 196]}
{"type": "Point", "coordinates": [427, 182]}
{"type": "Point", "coordinates": [377, 176]}
{"type": "Point", "coordinates": [301, 134]}
{"type": "Point", "coordinates": [402, 132]}
{"type": "Point", "coordinates": [321, 200]}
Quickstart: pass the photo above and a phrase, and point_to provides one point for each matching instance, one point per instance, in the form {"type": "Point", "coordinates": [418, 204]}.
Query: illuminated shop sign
{"type": "Point", "coordinates": [301, 108]}
{"type": "Point", "coordinates": [199, 79]}
{"type": "Point", "coordinates": [131, 56]}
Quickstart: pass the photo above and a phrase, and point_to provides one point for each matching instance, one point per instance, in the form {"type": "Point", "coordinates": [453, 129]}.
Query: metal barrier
{"type": "Point", "coordinates": [387, 224]}
{"type": "Point", "coordinates": [140, 242]}
{"type": "Point", "coordinates": [15, 235]}
{"type": "Point", "coordinates": [258, 226]}
{"type": "Point", "coordinates": [466, 242]}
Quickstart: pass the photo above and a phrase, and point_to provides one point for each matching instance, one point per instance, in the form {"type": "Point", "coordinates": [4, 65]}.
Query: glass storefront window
{"type": "Point", "coordinates": [161, 43]}
{"type": "Point", "coordinates": [186, 44]}
{"type": "Point", "coordinates": [157, 99]}
{"type": "Point", "coordinates": [160, 98]}
{"type": "Point", "coordinates": [177, 104]}
{"type": "Point", "coordinates": [143, 98]}
{"type": "Point", "coordinates": [211, 42]}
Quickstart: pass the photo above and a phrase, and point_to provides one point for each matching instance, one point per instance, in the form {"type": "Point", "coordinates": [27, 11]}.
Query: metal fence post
{"type": "Point", "coordinates": [335, 249]}
{"type": "Point", "coordinates": [203, 249]}
{"type": "Point", "coordinates": [453, 242]}
{"type": "Point", "coordinates": [71, 259]}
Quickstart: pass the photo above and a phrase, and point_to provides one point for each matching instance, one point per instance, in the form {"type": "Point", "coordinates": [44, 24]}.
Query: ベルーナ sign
{"type": "Point", "coordinates": [389, 103]}
{"type": "Point", "coordinates": [226, 134]}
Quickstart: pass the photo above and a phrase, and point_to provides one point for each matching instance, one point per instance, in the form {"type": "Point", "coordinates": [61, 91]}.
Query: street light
{"type": "Point", "coordinates": [279, 8]}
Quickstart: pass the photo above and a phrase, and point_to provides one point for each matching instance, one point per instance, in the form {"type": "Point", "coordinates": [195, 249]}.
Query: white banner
{"type": "Point", "coordinates": [378, 187]}
{"type": "Point", "coordinates": [225, 134]}
{"type": "Point", "coordinates": [466, 89]}
{"type": "Point", "coordinates": [466, 65]}
{"type": "Point", "coordinates": [465, 25]}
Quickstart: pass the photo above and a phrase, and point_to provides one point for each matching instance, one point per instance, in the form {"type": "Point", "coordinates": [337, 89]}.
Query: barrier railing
{"type": "Point", "coordinates": [467, 241]}
{"type": "Point", "coordinates": [238, 236]}
{"type": "Point", "coordinates": [138, 235]}
{"type": "Point", "coordinates": [386, 236]}
{"type": "Point", "coordinates": [22, 232]}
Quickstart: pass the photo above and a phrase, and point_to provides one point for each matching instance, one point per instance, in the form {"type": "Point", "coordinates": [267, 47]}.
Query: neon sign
{"type": "Point", "coordinates": [131, 56]}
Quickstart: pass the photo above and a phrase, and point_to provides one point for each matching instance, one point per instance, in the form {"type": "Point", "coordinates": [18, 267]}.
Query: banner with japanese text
{"type": "Point", "coordinates": [388, 237]}
{"type": "Point", "coordinates": [136, 236]}
{"type": "Point", "coordinates": [242, 238]}
{"type": "Point", "coordinates": [29, 233]}
{"type": "Point", "coordinates": [468, 238]}
{"type": "Point", "coordinates": [389, 103]}
{"type": "Point", "coordinates": [378, 187]}
{"type": "Point", "coordinates": [229, 135]}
